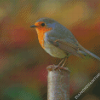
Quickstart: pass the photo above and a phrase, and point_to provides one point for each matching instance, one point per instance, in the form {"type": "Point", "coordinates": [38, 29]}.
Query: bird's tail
{"type": "Point", "coordinates": [88, 52]}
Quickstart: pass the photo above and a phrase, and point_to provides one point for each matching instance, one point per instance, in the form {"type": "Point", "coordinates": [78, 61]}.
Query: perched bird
{"type": "Point", "coordinates": [58, 41]}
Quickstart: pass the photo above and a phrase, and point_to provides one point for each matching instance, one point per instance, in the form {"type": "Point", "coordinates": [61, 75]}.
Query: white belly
{"type": "Point", "coordinates": [54, 51]}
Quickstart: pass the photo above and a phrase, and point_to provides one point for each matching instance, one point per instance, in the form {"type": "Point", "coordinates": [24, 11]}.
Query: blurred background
{"type": "Point", "coordinates": [23, 74]}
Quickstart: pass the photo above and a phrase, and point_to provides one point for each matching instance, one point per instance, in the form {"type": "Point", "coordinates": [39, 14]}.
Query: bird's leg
{"type": "Point", "coordinates": [61, 62]}
{"type": "Point", "coordinates": [62, 67]}
{"type": "Point", "coordinates": [59, 65]}
{"type": "Point", "coordinates": [65, 61]}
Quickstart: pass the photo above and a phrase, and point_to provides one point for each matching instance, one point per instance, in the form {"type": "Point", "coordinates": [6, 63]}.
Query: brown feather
{"type": "Point", "coordinates": [67, 47]}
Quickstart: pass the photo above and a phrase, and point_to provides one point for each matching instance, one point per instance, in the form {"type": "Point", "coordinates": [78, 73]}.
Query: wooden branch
{"type": "Point", "coordinates": [58, 83]}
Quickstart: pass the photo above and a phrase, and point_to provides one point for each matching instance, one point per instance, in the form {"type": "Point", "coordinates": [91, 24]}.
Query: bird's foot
{"type": "Point", "coordinates": [56, 67]}
{"type": "Point", "coordinates": [61, 68]}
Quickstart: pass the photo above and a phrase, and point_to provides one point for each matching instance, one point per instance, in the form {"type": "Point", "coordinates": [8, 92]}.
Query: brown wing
{"type": "Point", "coordinates": [67, 47]}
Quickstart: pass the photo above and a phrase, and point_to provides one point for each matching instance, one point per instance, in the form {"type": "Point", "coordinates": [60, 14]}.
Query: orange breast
{"type": "Point", "coordinates": [41, 31]}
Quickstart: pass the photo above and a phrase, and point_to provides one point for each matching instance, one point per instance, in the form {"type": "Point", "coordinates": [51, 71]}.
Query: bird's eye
{"type": "Point", "coordinates": [43, 24]}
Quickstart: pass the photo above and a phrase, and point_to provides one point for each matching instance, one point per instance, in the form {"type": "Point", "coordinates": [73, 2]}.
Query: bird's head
{"type": "Point", "coordinates": [44, 25]}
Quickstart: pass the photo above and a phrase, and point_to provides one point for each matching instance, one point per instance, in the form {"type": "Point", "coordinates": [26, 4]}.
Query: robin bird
{"type": "Point", "coordinates": [58, 41]}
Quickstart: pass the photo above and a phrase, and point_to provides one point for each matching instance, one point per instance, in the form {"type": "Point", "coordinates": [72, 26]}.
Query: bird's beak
{"type": "Point", "coordinates": [33, 26]}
